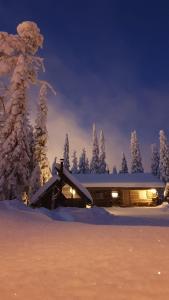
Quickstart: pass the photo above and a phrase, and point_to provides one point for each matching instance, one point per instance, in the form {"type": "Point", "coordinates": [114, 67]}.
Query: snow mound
{"type": "Point", "coordinates": [95, 215]}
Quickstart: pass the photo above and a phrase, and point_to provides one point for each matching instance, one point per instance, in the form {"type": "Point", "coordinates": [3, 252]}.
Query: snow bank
{"type": "Point", "coordinates": [46, 259]}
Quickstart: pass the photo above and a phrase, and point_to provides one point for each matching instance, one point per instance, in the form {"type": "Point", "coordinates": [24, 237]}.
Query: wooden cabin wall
{"type": "Point", "coordinates": [127, 197]}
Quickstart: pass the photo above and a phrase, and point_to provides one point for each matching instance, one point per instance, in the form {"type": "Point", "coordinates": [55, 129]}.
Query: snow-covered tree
{"type": "Point", "coordinates": [114, 172]}
{"type": "Point", "coordinates": [155, 160]}
{"type": "Point", "coordinates": [66, 162]}
{"type": "Point", "coordinates": [95, 164]}
{"type": "Point", "coordinates": [15, 150]}
{"type": "Point", "coordinates": [136, 161]}
{"type": "Point", "coordinates": [124, 167]}
{"type": "Point", "coordinates": [41, 163]}
{"type": "Point", "coordinates": [54, 170]}
{"type": "Point", "coordinates": [83, 163]}
{"type": "Point", "coordinates": [74, 168]}
{"type": "Point", "coordinates": [102, 159]}
{"type": "Point", "coordinates": [20, 65]}
{"type": "Point", "coordinates": [87, 166]}
{"type": "Point", "coordinates": [164, 157]}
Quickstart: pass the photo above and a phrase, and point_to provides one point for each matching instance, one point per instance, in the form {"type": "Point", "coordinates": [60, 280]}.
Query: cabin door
{"type": "Point", "coordinates": [126, 197]}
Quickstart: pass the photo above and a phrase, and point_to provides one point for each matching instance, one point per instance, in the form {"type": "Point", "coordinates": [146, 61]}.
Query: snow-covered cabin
{"type": "Point", "coordinates": [142, 189]}
{"type": "Point", "coordinates": [62, 190]}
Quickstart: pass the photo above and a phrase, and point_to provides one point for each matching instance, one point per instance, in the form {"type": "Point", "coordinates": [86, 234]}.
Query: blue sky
{"type": "Point", "coordinates": [108, 61]}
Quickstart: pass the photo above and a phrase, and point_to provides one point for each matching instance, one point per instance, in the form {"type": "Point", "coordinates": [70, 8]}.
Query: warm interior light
{"type": "Point", "coordinates": [72, 191]}
{"type": "Point", "coordinates": [154, 191]}
{"type": "Point", "coordinates": [114, 194]}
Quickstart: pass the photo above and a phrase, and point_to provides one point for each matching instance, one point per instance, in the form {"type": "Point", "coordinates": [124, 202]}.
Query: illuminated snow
{"type": "Point", "coordinates": [97, 257]}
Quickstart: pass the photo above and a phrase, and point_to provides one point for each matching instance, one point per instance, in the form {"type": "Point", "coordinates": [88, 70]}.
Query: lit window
{"type": "Point", "coordinates": [114, 194]}
{"type": "Point", "coordinates": [72, 191]}
{"type": "Point", "coordinates": [154, 191]}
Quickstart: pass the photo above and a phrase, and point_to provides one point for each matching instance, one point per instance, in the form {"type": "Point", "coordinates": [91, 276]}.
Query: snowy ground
{"type": "Point", "coordinates": [117, 253]}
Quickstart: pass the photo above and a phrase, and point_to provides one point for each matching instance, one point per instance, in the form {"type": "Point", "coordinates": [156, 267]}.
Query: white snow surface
{"type": "Point", "coordinates": [137, 180]}
{"type": "Point", "coordinates": [73, 253]}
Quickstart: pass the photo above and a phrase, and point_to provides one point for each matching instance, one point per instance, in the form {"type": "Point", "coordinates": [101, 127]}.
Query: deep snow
{"type": "Point", "coordinates": [103, 254]}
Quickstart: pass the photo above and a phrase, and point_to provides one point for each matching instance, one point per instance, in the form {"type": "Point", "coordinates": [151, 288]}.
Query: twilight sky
{"type": "Point", "coordinates": [109, 63]}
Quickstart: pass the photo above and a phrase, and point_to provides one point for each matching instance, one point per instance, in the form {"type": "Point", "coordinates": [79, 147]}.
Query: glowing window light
{"type": "Point", "coordinates": [114, 194]}
{"type": "Point", "coordinates": [72, 191]}
{"type": "Point", "coordinates": [88, 206]}
{"type": "Point", "coordinates": [154, 191]}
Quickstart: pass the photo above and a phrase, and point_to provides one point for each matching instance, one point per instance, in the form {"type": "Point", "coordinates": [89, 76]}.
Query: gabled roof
{"type": "Point", "coordinates": [72, 180]}
{"type": "Point", "coordinates": [44, 189]}
{"type": "Point", "coordinates": [137, 180]}
{"type": "Point", "coordinates": [66, 178]}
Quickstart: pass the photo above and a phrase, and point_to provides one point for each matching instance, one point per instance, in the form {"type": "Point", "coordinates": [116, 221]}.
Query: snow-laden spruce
{"type": "Point", "coordinates": [27, 42]}
{"type": "Point", "coordinates": [87, 166]}
{"type": "Point", "coordinates": [136, 161]}
{"type": "Point", "coordinates": [83, 166]}
{"type": "Point", "coordinates": [41, 172]}
{"type": "Point", "coordinates": [95, 163]}
{"type": "Point", "coordinates": [154, 160]}
{"type": "Point", "coordinates": [19, 67]}
{"type": "Point", "coordinates": [102, 158]}
{"type": "Point", "coordinates": [164, 157]}
{"type": "Point", "coordinates": [124, 167]}
{"type": "Point", "coordinates": [74, 168]}
{"type": "Point", "coordinates": [15, 151]}
{"type": "Point", "coordinates": [66, 162]}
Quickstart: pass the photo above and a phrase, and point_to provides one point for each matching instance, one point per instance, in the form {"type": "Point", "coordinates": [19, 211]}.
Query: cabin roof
{"type": "Point", "coordinates": [138, 180]}
{"type": "Point", "coordinates": [67, 178]}
{"type": "Point", "coordinates": [40, 192]}
{"type": "Point", "coordinates": [76, 183]}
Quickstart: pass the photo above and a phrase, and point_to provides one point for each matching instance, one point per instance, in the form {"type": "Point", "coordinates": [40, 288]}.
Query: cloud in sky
{"type": "Point", "coordinates": [116, 106]}
{"type": "Point", "coordinates": [62, 121]}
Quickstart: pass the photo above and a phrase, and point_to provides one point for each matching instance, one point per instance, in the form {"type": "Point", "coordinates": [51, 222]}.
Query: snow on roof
{"type": "Point", "coordinates": [137, 180]}
{"type": "Point", "coordinates": [44, 188]}
{"type": "Point", "coordinates": [53, 179]}
{"type": "Point", "coordinates": [75, 181]}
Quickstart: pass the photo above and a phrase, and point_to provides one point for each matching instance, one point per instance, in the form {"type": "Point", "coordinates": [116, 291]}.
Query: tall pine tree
{"type": "Point", "coordinates": [124, 167]}
{"type": "Point", "coordinates": [136, 161]}
{"type": "Point", "coordinates": [15, 149]}
{"type": "Point", "coordinates": [164, 157]}
{"type": "Point", "coordinates": [102, 158]}
{"type": "Point", "coordinates": [95, 163]}
{"type": "Point", "coordinates": [154, 160]}
{"type": "Point", "coordinates": [20, 65]}
{"type": "Point", "coordinates": [41, 173]}
{"type": "Point", "coordinates": [74, 168]}
{"type": "Point", "coordinates": [83, 163]}
{"type": "Point", "coordinates": [66, 162]}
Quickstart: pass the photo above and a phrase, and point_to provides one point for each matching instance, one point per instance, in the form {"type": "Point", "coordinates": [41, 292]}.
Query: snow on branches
{"type": "Point", "coordinates": [66, 153]}
{"type": "Point", "coordinates": [164, 157]}
{"type": "Point", "coordinates": [136, 161]}
{"type": "Point", "coordinates": [41, 173]}
{"type": "Point", "coordinates": [154, 160]}
{"type": "Point", "coordinates": [20, 67]}
{"type": "Point", "coordinates": [95, 163]}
